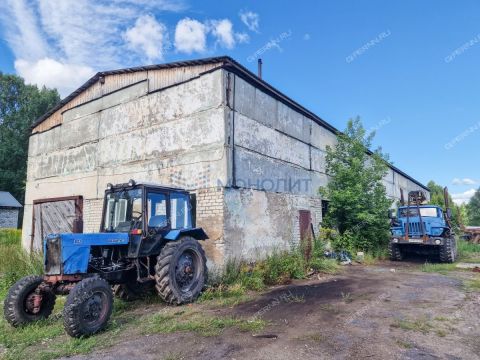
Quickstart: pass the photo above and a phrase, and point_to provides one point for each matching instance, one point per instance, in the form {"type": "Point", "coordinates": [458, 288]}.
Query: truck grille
{"type": "Point", "coordinates": [53, 255]}
{"type": "Point", "coordinates": [414, 228]}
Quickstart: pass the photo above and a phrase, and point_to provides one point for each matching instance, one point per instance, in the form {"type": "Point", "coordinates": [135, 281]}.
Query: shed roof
{"type": "Point", "coordinates": [227, 63]}
{"type": "Point", "coordinates": [7, 200]}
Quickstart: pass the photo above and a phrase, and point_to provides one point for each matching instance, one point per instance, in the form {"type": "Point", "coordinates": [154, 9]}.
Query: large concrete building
{"type": "Point", "coordinates": [254, 157]}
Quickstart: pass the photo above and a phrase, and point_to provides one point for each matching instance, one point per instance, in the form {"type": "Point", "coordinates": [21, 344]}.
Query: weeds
{"type": "Point", "coordinates": [16, 262]}
{"type": "Point", "coordinates": [420, 325]}
{"type": "Point", "coordinates": [440, 268]}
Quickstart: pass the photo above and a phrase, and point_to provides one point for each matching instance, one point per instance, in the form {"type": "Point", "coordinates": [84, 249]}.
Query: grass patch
{"type": "Point", "coordinates": [420, 325]}
{"type": "Point", "coordinates": [472, 285]}
{"type": "Point", "coordinates": [441, 268]}
{"type": "Point", "coordinates": [468, 252]}
{"type": "Point", "coordinates": [199, 323]}
{"type": "Point", "coordinates": [404, 344]}
{"type": "Point", "coordinates": [16, 262]}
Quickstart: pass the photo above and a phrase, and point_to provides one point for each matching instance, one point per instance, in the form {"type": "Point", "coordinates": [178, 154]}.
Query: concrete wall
{"type": "Point", "coordinates": [278, 163]}
{"type": "Point", "coordinates": [173, 137]}
{"type": "Point", "coordinates": [8, 218]}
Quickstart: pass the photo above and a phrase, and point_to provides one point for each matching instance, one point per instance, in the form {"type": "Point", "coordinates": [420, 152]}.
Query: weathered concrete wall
{"type": "Point", "coordinates": [174, 137]}
{"type": "Point", "coordinates": [8, 218]}
{"type": "Point", "coordinates": [278, 162]}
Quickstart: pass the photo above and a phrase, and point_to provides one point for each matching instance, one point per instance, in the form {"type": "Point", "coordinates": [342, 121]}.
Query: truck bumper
{"type": "Point", "coordinates": [430, 241]}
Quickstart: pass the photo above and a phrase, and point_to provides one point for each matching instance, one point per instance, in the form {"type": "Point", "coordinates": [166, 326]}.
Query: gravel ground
{"type": "Point", "coordinates": [389, 311]}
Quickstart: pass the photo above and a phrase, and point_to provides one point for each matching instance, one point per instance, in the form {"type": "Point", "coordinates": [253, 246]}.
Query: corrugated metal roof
{"type": "Point", "coordinates": [7, 200]}
{"type": "Point", "coordinates": [229, 64]}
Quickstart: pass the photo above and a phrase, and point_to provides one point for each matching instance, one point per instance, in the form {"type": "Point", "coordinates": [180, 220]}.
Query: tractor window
{"type": "Point", "coordinates": [123, 209]}
{"type": "Point", "coordinates": [180, 211]}
{"type": "Point", "coordinates": [157, 210]}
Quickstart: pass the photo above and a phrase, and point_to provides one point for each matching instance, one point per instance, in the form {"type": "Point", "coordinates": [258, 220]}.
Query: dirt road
{"type": "Point", "coordinates": [390, 311]}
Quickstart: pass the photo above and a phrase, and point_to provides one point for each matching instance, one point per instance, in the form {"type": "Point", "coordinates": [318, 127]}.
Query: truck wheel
{"type": "Point", "coordinates": [88, 307]}
{"type": "Point", "coordinates": [181, 271]}
{"type": "Point", "coordinates": [18, 307]}
{"type": "Point", "coordinates": [395, 252]}
{"type": "Point", "coordinates": [133, 290]}
{"type": "Point", "coordinates": [448, 250]}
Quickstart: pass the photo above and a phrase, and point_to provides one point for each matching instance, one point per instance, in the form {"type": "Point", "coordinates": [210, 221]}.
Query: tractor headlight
{"type": "Point", "coordinates": [131, 183]}
{"type": "Point", "coordinates": [438, 242]}
{"type": "Point", "coordinates": [395, 240]}
{"type": "Point", "coordinates": [109, 186]}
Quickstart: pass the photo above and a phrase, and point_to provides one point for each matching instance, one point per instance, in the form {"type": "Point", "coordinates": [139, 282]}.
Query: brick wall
{"type": "Point", "coordinates": [9, 218]}
{"type": "Point", "coordinates": [210, 216]}
{"type": "Point", "coordinates": [92, 215]}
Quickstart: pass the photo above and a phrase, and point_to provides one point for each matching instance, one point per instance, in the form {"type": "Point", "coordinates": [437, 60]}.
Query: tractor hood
{"type": "Point", "coordinates": [68, 254]}
{"type": "Point", "coordinates": [432, 226]}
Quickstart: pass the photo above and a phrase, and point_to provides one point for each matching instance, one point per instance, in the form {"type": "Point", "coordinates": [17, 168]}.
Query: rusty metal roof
{"type": "Point", "coordinates": [229, 64]}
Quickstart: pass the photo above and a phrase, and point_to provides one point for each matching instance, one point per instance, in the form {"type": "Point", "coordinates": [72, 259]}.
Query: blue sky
{"type": "Point", "coordinates": [408, 68]}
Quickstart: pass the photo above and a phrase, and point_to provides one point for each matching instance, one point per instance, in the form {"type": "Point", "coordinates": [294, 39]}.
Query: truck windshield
{"type": "Point", "coordinates": [123, 210]}
{"type": "Point", "coordinates": [413, 211]}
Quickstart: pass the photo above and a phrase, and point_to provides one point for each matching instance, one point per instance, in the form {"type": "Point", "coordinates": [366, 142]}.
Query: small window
{"type": "Point", "coordinates": [157, 210]}
{"type": "Point", "coordinates": [180, 211]}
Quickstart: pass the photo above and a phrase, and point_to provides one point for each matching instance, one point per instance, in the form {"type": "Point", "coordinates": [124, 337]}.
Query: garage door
{"type": "Point", "coordinates": [51, 216]}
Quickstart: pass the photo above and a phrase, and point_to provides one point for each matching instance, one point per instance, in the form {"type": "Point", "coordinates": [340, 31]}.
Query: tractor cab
{"type": "Point", "coordinates": [426, 219]}
{"type": "Point", "coordinates": [143, 208]}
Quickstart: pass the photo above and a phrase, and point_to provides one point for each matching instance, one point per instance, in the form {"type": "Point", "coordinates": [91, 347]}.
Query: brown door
{"type": "Point", "coordinates": [306, 235]}
{"type": "Point", "coordinates": [60, 215]}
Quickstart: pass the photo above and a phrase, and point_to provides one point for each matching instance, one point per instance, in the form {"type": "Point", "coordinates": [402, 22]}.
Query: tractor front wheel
{"type": "Point", "coordinates": [20, 304]}
{"type": "Point", "coordinates": [88, 307]}
{"type": "Point", "coordinates": [181, 271]}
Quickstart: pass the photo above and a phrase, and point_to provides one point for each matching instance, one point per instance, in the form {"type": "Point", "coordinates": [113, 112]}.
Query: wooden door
{"type": "Point", "coordinates": [52, 216]}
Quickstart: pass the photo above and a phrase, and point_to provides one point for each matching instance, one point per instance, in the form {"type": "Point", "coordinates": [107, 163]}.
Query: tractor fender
{"type": "Point", "coordinates": [196, 233]}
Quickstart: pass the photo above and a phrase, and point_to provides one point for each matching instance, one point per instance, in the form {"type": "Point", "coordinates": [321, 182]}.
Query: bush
{"type": "Point", "coordinates": [15, 261]}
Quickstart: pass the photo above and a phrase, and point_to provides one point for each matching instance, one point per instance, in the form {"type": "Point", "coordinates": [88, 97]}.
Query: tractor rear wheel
{"type": "Point", "coordinates": [181, 271]}
{"type": "Point", "coordinates": [448, 251]}
{"type": "Point", "coordinates": [88, 307]}
{"type": "Point", "coordinates": [133, 290]}
{"type": "Point", "coordinates": [395, 252]}
{"type": "Point", "coordinates": [19, 306]}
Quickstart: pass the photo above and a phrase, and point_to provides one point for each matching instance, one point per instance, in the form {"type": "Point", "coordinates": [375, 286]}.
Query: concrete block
{"type": "Point", "coordinates": [265, 108]}
{"type": "Point", "coordinates": [293, 123]}
{"type": "Point", "coordinates": [322, 137]}
{"type": "Point", "coordinates": [255, 136]}
{"type": "Point", "coordinates": [244, 98]}
{"type": "Point", "coordinates": [80, 131]}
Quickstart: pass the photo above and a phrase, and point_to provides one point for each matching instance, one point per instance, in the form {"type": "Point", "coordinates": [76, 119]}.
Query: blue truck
{"type": "Point", "coordinates": [147, 240]}
{"type": "Point", "coordinates": [423, 229]}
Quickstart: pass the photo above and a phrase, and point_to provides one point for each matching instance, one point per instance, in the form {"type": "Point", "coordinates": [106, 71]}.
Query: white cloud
{"type": "Point", "coordinates": [149, 38]}
{"type": "Point", "coordinates": [242, 38]}
{"type": "Point", "coordinates": [462, 198]}
{"type": "Point", "coordinates": [84, 35]}
{"type": "Point", "coordinates": [464, 181]}
{"type": "Point", "coordinates": [190, 36]}
{"type": "Point", "coordinates": [53, 74]}
{"type": "Point", "coordinates": [250, 19]}
{"type": "Point", "coordinates": [223, 31]}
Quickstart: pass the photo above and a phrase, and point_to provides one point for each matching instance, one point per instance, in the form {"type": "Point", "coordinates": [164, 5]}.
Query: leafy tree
{"type": "Point", "coordinates": [474, 209]}
{"type": "Point", "coordinates": [358, 204]}
{"type": "Point", "coordinates": [437, 198]}
{"type": "Point", "coordinates": [463, 214]}
{"type": "Point", "coordinates": [20, 106]}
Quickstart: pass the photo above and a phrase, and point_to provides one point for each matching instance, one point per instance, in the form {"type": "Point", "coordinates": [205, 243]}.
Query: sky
{"type": "Point", "coordinates": [409, 69]}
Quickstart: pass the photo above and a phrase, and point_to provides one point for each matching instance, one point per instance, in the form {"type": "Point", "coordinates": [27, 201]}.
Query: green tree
{"type": "Point", "coordinates": [358, 204]}
{"type": "Point", "coordinates": [463, 214]}
{"type": "Point", "coordinates": [20, 106]}
{"type": "Point", "coordinates": [437, 198]}
{"type": "Point", "coordinates": [474, 209]}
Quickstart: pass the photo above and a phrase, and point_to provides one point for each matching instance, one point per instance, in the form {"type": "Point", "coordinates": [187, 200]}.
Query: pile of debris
{"type": "Point", "coordinates": [472, 234]}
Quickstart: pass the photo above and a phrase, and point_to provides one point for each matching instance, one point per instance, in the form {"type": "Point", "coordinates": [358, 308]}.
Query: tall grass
{"type": "Point", "coordinates": [279, 267]}
{"type": "Point", "coordinates": [15, 262]}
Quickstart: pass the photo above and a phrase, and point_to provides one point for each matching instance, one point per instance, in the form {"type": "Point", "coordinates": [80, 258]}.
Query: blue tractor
{"type": "Point", "coordinates": [423, 229]}
{"type": "Point", "coordinates": [148, 240]}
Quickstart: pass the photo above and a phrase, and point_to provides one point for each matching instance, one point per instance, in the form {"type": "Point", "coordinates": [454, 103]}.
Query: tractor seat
{"type": "Point", "coordinates": [158, 221]}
